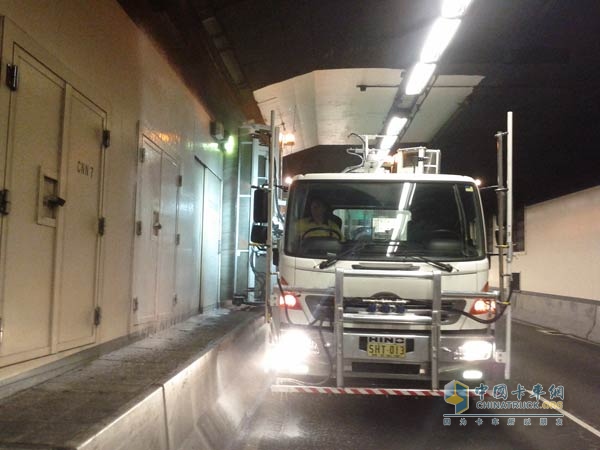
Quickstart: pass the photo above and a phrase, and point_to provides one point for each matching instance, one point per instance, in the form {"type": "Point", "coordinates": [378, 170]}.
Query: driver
{"type": "Point", "coordinates": [320, 223]}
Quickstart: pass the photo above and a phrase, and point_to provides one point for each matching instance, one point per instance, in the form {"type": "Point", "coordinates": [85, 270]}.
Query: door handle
{"type": "Point", "coordinates": [54, 201]}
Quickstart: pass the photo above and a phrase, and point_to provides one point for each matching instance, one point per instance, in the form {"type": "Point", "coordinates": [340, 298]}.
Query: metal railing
{"type": "Point", "coordinates": [434, 326]}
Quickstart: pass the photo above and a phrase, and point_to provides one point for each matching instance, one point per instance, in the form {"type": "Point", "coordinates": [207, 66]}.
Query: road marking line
{"type": "Point", "coordinates": [575, 419]}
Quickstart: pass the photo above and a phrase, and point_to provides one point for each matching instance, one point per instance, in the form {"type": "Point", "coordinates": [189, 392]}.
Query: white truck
{"type": "Point", "coordinates": [399, 294]}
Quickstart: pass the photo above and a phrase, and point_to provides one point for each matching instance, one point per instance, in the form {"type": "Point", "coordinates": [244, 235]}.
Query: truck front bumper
{"type": "Point", "coordinates": [306, 352]}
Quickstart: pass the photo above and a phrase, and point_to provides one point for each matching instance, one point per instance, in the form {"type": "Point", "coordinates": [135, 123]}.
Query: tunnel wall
{"type": "Point", "coordinates": [99, 52]}
{"type": "Point", "coordinates": [558, 270]}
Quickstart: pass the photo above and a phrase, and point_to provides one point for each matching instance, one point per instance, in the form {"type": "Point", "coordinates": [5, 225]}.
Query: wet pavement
{"type": "Point", "coordinates": [317, 421]}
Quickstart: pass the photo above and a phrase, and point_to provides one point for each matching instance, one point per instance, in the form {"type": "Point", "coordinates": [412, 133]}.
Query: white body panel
{"type": "Point", "coordinates": [304, 273]}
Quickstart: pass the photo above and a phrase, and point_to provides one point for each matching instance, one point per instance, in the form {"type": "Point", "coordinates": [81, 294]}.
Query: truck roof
{"type": "Point", "coordinates": [384, 176]}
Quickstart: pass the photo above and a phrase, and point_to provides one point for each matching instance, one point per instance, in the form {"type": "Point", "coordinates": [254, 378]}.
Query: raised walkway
{"type": "Point", "coordinates": [190, 386]}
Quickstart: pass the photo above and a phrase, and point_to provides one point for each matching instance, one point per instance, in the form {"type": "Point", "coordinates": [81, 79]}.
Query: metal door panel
{"type": "Point", "coordinates": [81, 242]}
{"type": "Point", "coordinates": [167, 236]}
{"type": "Point", "coordinates": [146, 240]}
{"type": "Point", "coordinates": [198, 228]}
{"type": "Point", "coordinates": [210, 272]}
{"type": "Point", "coordinates": [28, 246]}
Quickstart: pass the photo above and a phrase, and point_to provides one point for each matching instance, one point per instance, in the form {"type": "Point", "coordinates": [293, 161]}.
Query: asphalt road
{"type": "Point", "coordinates": [313, 421]}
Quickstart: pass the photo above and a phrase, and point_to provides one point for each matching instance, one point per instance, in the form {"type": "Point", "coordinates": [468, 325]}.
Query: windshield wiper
{"type": "Point", "coordinates": [332, 260]}
{"type": "Point", "coordinates": [360, 245]}
{"type": "Point", "coordinates": [437, 264]}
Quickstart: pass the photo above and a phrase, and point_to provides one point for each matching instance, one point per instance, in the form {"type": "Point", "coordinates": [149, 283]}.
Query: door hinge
{"type": "Point", "coordinates": [142, 155]}
{"type": "Point", "coordinates": [101, 226]}
{"type": "Point", "coordinates": [12, 76]}
{"type": "Point", "coordinates": [177, 239]}
{"type": "Point", "coordinates": [179, 180]}
{"type": "Point", "coordinates": [4, 202]}
{"type": "Point", "coordinates": [138, 228]}
{"type": "Point", "coordinates": [136, 304]}
{"type": "Point", "coordinates": [106, 138]}
{"type": "Point", "coordinates": [97, 315]}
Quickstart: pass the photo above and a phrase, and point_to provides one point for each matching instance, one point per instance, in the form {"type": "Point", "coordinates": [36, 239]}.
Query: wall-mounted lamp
{"type": "Point", "coordinates": [217, 130]}
{"type": "Point", "coordinates": [288, 139]}
{"type": "Point", "coordinates": [229, 143]}
{"type": "Point", "coordinates": [225, 141]}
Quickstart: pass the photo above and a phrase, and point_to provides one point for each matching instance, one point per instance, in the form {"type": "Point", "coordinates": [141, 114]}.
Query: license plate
{"type": "Point", "coordinates": [379, 350]}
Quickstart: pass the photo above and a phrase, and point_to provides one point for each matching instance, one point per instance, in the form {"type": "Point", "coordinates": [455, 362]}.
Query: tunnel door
{"type": "Point", "coordinates": [167, 248]}
{"type": "Point", "coordinates": [211, 242]}
{"type": "Point", "coordinates": [29, 230]}
{"type": "Point", "coordinates": [155, 248]}
{"type": "Point", "coordinates": [50, 249]}
{"type": "Point", "coordinates": [81, 233]}
{"type": "Point", "coordinates": [147, 232]}
{"type": "Point", "coordinates": [198, 226]}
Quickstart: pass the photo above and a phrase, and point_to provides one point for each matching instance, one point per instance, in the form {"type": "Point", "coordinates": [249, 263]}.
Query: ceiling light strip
{"type": "Point", "coordinates": [438, 39]}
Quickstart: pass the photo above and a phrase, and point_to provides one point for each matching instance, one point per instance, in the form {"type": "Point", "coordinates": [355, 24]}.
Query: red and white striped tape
{"type": "Point", "coordinates": [360, 391]}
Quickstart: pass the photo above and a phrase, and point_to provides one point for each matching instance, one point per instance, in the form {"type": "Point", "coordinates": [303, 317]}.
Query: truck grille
{"type": "Point", "coordinates": [387, 307]}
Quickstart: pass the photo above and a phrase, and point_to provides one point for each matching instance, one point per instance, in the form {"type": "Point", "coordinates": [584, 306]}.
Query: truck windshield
{"type": "Point", "coordinates": [380, 221]}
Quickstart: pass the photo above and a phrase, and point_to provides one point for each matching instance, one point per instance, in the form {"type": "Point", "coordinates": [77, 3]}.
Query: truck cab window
{"type": "Point", "coordinates": [436, 220]}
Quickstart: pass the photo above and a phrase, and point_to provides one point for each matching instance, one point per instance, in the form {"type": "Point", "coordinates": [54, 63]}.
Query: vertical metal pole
{"type": "Point", "coordinates": [500, 197]}
{"type": "Point", "coordinates": [436, 281]}
{"type": "Point", "coordinates": [420, 160]}
{"type": "Point", "coordinates": [339, 327]}
{"type": "Point", "coordinates": [509, 187]}
{"type": "Point", "coordinates": [269, 261]}
{"type": "Point", "coordinates": [509, 237]}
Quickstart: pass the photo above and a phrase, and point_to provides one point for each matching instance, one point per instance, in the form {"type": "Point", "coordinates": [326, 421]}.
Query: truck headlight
{"type": "Point", "coordinates": [475, 350]}
{"type": "Point", "coordinates": [290, 353]}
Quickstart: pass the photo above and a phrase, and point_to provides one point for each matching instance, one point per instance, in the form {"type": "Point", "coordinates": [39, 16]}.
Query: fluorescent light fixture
{"type": "Point", "coordinates": [455, 8]}
{"type": "Point", "coordinates": [396, 125]}
{"type": "Point", "coordinates": [440, 35]}
{"type": "Point", "coordinates": [392, 131]}
{"type": "Point", "coordinates": [418, 78]}
{"type": "Point", "coordinates": [387, 142]}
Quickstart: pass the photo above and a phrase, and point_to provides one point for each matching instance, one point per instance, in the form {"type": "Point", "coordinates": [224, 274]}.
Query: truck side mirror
{"type": "Point", "coordinates": [260, 214]}
{"type": "Point", "coordinates": [258, 235]}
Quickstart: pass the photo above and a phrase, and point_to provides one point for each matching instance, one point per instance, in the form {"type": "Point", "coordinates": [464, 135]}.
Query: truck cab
{"type": "Point", "coordinates": [394, 235]}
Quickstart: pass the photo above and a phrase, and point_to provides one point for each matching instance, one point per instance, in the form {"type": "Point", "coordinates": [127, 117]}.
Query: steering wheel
{"type": "Point", "coordinates": [329, 230]}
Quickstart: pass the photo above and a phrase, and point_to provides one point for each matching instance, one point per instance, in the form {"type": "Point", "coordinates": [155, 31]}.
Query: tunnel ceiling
{"type": "Point", "coordinates": [537, 58]}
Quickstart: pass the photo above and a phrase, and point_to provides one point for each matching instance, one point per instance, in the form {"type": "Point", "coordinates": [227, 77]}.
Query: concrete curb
{"type": "Point", "coordinates": [578, 318]}
{"type": "Point", "coordinates": [201, 406]}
